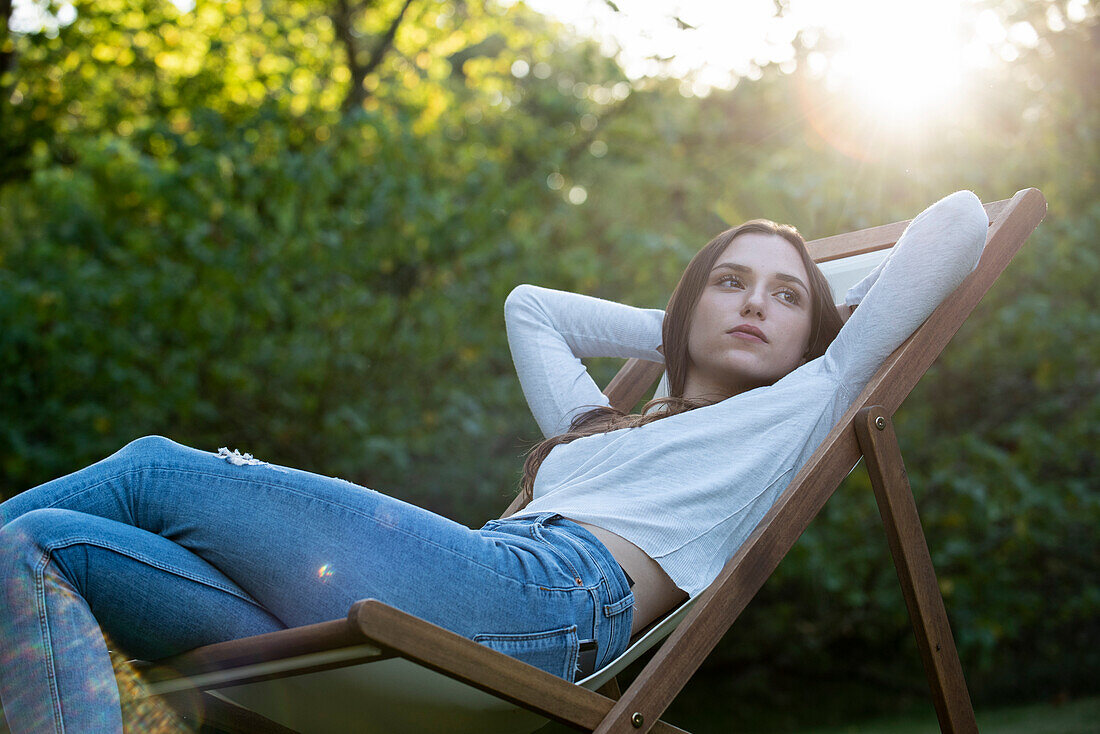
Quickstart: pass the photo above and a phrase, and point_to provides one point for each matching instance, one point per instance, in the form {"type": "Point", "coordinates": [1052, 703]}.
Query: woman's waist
{"type": "Point", "coordinates": [655, 594]}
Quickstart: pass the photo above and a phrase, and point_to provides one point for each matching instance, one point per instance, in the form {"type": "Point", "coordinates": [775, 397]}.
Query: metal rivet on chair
{"type": "Point", "coordinates": [637, 720]}
{"type": "Point", "coordinates": [880, 423]}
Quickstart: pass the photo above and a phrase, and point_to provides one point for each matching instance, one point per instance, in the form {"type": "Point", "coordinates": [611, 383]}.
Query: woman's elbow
{"type": "Point", "coordinates": [967, 211]}
{"type": "Point", "coordinates": [518, 300]}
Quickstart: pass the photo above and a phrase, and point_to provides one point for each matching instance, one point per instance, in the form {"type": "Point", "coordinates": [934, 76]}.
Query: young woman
{"type": "Point", "coordinates": [160, 548]}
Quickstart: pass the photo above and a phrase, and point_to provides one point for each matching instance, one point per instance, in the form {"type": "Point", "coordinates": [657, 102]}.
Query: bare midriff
{"type": "Point", "coordinates": [654, 593]}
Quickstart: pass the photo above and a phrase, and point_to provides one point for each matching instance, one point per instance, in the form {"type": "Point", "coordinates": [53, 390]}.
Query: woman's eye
{"type": "Point", "coordinates": [789, 296]}
{"type": "Point", "coordinates": [731, 280]}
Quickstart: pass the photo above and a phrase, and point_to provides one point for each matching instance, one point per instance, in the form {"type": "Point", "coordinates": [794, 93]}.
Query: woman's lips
{"type": "Point", "coordinates": [747, 332]}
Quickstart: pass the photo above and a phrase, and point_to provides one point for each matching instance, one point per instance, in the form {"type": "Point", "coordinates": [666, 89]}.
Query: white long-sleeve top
{"type": "Point", "coordinates": [690, 488]}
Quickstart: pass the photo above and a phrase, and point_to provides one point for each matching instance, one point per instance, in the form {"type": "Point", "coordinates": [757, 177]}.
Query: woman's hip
{"type": "Point", "coordinates": [582, 577]}
{"type": "Point", "coordinates": [307, 546]}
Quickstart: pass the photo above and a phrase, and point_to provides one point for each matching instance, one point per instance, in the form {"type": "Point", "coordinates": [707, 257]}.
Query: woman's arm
{"type": "Point", "coordinates": [550, 331]}
{"type": "Point", "coordinates": [936, 252]}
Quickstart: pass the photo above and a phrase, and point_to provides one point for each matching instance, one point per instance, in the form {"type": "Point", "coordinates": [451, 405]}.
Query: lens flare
{"type": "Point", "coordinates": [145, 714]}
{"type": "Point", "coordinates": [884, 75]}
{"type": "Point", "coordinates": [900, 60]}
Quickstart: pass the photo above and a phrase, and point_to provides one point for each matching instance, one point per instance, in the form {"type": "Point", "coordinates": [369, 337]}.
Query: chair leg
{"type": "Point", "coordinates": [914, 566]}
{"type": "Point", "coordinates": [610, 689]}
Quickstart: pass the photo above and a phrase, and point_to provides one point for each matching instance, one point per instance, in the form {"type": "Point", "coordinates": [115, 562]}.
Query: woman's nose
{"type": "Point", "coordinates": [753, 305]}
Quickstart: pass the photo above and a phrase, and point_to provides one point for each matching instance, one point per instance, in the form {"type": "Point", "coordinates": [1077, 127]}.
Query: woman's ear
{"type": "Point", "coordinates": [661, 349]}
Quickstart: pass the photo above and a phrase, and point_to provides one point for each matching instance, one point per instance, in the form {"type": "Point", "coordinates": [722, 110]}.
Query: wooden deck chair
{"type": "Point", "coordinates": [294, 680]}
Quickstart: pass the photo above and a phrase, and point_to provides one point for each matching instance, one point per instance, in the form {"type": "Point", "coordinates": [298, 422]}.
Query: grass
{"type": "Point", "coordinates": [1075, 717]}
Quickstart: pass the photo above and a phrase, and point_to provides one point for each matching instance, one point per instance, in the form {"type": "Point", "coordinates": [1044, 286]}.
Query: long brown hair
{"type": "Point", "coordinates": [825, 323]}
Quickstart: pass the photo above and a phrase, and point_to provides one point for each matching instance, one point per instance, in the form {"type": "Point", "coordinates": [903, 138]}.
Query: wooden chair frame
{"type": "Point", "coordinates": [374, 631]}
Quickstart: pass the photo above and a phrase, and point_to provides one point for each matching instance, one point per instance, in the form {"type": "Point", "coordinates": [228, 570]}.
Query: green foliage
{"type": "Point", "coordinates": [294, 284]}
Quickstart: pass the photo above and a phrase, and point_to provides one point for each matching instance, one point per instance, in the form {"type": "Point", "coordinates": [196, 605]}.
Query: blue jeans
{"type": "Point", "coordinates": [161, 548]}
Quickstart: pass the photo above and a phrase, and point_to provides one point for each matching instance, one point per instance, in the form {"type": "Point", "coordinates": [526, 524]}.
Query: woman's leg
{"type": "Point", "coordinates": [306, 547]}
{"type": "Point", "coordinates": [63, 571]}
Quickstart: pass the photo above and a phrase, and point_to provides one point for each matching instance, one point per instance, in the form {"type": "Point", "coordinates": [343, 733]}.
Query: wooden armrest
{"type": "Point", "coordinates": [287, 643]}
{"type": "Point", "coordinates": [483, 668]}
{"type": "Point", "coordinates": [630, 384]}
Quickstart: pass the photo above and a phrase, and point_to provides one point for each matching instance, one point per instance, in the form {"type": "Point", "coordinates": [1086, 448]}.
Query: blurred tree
{"type": "Point", "coordinates": [291, 274]}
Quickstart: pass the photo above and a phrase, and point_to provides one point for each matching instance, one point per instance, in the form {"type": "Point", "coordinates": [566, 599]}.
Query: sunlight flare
{"type": "Point", "coordinates": [898, 61]}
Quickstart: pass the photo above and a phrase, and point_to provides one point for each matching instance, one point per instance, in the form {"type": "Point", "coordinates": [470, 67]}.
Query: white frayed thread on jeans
{"type": "Point", "coordinates": [236, 458]}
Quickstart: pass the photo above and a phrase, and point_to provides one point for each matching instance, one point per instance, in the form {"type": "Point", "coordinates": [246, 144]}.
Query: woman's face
{"type": "Point", "coordinates": [752, 323]}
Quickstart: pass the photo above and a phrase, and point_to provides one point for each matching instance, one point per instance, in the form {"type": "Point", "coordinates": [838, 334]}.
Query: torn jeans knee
{"type": "Point", "coordinates": [237, 459]}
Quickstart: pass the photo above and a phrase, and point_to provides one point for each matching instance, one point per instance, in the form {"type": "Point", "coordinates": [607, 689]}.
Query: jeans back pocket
{"type": "Point", "coordinates": [554, 651]}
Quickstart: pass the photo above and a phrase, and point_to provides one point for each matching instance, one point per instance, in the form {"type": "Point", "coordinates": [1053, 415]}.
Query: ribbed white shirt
{"type": "Point", "coordinates": [689, 489]}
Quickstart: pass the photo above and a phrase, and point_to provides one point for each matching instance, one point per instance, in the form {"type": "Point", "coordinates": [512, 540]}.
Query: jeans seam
{"type": "Point", "coordinates": [613, 621]}
{"type": "Point", "coordinates": [293, 490]}
{"type": "Point", "coordinates": [44, 628]}
{"type": "Point", "coordinates": [524, 636]}
{"type": "Point", "coordinates": [535, 524]}
{"type": "Point", "coordinates": [583, 548]}
{"type": "Point", "coordinates": [569, 671]}
{"type": "Point", "coordinates": [199, 472]}
{"type": "Point", "coordinates": [141, 558]}
{"type": "Point", "coordinates": [537, 531]}
{"type": "Point", "coordinates": [496, 572]}
{"type": "Point", "coordinates": [604, 581]}
{"type": "Point", "coordinates": [599, 610]}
